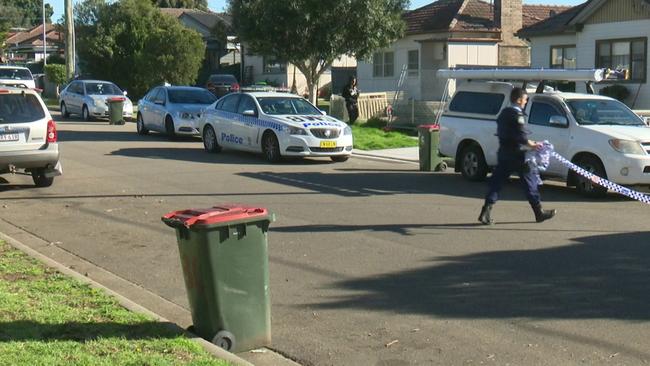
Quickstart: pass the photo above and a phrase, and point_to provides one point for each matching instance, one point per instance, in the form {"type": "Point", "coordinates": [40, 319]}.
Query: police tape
{"type": "Point", "coordinates": [602, 181]}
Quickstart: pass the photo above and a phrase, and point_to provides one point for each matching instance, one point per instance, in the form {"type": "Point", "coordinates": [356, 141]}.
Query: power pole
{"type": "Point", "coordinates": [44, 37]}
{"type": "Point", "coordinates": [69, 41]}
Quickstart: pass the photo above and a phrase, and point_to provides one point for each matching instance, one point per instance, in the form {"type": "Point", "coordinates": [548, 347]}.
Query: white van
{"type": "Point", "coordinates": [595, 132]}
{"type": "Point", "coordinates": [16, 76]}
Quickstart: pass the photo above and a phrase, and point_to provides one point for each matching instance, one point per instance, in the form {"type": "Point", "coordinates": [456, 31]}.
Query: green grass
{"type": "Point", "coordinates": [371, 136]}
{"type": "Point", "coordinates": [47, 318]}
{"type": "Point", "coordinates": [323, 105]}
{"type": "Point", "coordinates": [51, 103]}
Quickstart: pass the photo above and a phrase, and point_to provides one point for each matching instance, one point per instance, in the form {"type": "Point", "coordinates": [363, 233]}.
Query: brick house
{"type": "Point", "coordinates": [27, 46]}
{"type": "Point", "coordinates": [595, 34]}
{"type": "Point", "coordinates": [450, 33]}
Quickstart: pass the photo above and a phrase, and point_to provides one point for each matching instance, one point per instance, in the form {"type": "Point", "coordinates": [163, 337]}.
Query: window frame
{"type": "Point", "coordinates": [380, 63]}
{"type": "Point", "coordinates": [629, 40]}
{"type": "Point", "coordinates": [242, 99]}
{"type": "Point", "coordinates": [273, 71]}
{"type": "Point", "coordinates": [562, 47]}
{"type": "Point", "coordinates": [553, 105]}
{"type": "Point", "coordinates": [413, 72]}
{"type": "Point", "coordinates": [473, 94]}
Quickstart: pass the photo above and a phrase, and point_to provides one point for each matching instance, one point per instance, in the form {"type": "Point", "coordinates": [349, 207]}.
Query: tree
{"type": "Point", "coordinates": [24, 13]}
{"type": "Point", "coordinates": [311, 34]}
{"type": "Point", "coordinates": [187, 4]}
{"type": "Point", "coordinates": [133, 44]}
{"type": "Point", "coordinates": [56, 74]}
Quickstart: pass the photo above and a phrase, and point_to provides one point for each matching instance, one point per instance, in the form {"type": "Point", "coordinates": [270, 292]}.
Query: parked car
{"type": "Point", "coordinates": [17, 76]}
{"type": "Point", "coordinates": [275, 124]}
{"type": "Point", "coordinates": [174, 110]}
{"type": "Point", "coordinates": [222, 84]}
{"type": "Point", "coordinates": [88, 98]}
{"type": "Point", "coordinates": [600, 134]}
{"type": "Point", "coordinates": [28, 139]}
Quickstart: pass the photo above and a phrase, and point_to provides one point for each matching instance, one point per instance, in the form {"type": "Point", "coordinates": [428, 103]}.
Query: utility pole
{"type": "Point", "coordinates": [44, 37]}
{"type": "Point", "coordinates": [69, 41]}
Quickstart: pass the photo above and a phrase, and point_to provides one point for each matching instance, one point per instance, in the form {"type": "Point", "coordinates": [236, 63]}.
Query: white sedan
{"type": "Point", "coordinates": [275, 124]}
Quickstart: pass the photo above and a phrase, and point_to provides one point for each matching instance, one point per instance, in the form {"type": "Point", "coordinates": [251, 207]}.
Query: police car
{"type": "Point", "coordinates": [275, 124]}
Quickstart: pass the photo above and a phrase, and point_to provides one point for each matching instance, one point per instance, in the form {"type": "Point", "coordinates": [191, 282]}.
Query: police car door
{"type": "Point", "coordinates": [226, 122]}
{"type": "Point", "coordinates": [547, 120]}
{"type": "Point", "coordinates": [248, 122]}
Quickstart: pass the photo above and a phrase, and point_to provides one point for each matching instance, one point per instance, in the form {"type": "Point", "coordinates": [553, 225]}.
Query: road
{"type": "Point", "coordinates": [371, 262]}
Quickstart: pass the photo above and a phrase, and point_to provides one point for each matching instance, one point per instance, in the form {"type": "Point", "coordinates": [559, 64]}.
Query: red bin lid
{"type": "Point", "coordinates": [432, 127]}
{"type": "Point", "coordinates": [116, 99]}
{"type": "Point", "coordinates": [214, 215]}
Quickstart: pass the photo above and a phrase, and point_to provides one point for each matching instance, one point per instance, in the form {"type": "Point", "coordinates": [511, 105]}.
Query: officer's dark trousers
{"type": "Point", "coordinates": [508, 163]}
{"type": "Point", "coordinates": [353, 111]}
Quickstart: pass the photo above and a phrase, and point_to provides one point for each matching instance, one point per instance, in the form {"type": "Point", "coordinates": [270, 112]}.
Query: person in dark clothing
{"type": "Point", "coordinates": [513, 143]}
{"type": "Point", "coordinates": [351, 94]}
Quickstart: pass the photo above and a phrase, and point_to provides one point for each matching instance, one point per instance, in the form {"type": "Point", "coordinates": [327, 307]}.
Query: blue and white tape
{"type": "Point", "coordinates": [602, 181]}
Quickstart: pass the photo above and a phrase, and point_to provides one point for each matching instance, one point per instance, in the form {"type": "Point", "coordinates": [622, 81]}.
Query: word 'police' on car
{"type": "Point", "coordinates": [275, 124]}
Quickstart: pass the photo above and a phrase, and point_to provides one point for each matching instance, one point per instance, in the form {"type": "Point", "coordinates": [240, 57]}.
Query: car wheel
{"type": "Point", "coordinates": [64, 110]}
{"type": "Point", "coordinates": [85, 114]}
{"type": "Point", "coordinates": [585, 186]}
{"type": "Point", "coordinates": [339, 159]}
{"type": "Point", "coordinates": [140, 126]}
{"type": "Point", "coordinates": [271, 148]}
{"type": "Point", "coordinates": [472, 163]}
{"type": "Point", "coordinates": [169, 128]}
{"type": "Point", "coordinates": [40, 180]}
{"type": "Point", "coordinates": [210, 142]}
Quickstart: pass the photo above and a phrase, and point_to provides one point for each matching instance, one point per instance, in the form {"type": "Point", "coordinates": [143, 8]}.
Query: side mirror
{"type": "Point", "coordinates": [249, 113]}
{"type": "Point", "coordinates": [324, 113]}
{"type": "Point", "coordinates": [558, 121]}
{"type": "Point", "coordinates": [125, 93]}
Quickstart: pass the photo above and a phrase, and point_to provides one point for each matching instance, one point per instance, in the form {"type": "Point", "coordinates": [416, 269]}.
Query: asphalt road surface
{"type": "Point", "coordinates": [371, 262]}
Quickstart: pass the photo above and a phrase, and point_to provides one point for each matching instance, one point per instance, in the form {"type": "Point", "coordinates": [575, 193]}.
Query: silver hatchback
{"type": "Point", "coordinates": [28, 139]}
{"type": "Point", "coordinates": [173, 110]}
{"type": "Point", "coordinates": [89, 99]}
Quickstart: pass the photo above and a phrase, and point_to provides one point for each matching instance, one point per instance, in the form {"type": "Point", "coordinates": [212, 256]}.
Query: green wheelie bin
{"type": "Point", "coordinates": [428, 142]}
{"type": "Point", "coordinates": [115, 110]}
{"type": "Point", "coordinates": [224, 256]}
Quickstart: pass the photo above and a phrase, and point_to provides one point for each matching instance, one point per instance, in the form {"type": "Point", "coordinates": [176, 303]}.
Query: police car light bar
{"type": "Point", "coordinates": [593, 75]}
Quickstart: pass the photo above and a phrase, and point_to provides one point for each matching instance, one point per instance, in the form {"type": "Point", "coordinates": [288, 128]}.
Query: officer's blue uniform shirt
{"type": "Point", "coordinates": [510, 129]}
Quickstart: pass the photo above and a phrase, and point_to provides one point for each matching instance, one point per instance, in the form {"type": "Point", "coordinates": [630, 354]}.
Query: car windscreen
{"type": "Point", "coordinates": [603, 112]}
{"type": "Point", "coordinates": [15, 74]}
{"type": "Point", "coordinates": [191, 97]}
{"type": "Point", "coordinates": [287, 105]}
{"type": "Point", "coordinates": [20, 108]}
{"type": "Point", "coordinates": [102, 89]}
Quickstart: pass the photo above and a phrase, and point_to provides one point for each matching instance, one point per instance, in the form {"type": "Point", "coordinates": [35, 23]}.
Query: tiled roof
{"type": "Point", "coordinates": [206, 18]}
{"type": "Point", "coordinates": [553, 25]}
{"type": "Point", "coordinates": [468, 15]}
{"type": "Point", "coordinates": [33, 34]}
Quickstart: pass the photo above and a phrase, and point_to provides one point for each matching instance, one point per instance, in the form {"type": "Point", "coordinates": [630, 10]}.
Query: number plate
{"type": "Point", "coordinates": [328, 144]}
{"type": "Point", "coordinates": [9, 137]}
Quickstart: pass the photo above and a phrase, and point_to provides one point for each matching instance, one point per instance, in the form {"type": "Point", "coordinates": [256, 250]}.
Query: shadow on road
{"type": "Point", "coordinates": [118, 136]}
{"type": "Point", "coordinates": [28, 331]}
{"type": "Point", "coordinates": [603, 277]}
{"type": "Point", "coordinates": [377, 183]}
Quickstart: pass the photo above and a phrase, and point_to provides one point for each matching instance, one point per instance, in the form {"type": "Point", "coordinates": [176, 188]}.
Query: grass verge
{"type": "Point", "coordinates": [47, 318]}
{"type": "Point", "coordinates": [371, 136]}
{"type": "Point", "coordinates": [51, 103]}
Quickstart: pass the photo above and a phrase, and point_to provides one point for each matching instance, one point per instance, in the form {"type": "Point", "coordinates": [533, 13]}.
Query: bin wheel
{"type": "Point", "coordinates": [224, 339]}
{"type": "Point", "coordinates": [441, 167]}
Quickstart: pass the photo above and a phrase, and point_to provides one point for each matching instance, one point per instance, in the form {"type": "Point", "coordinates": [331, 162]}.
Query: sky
{"type": "Point", "coordinates": [219, 5]}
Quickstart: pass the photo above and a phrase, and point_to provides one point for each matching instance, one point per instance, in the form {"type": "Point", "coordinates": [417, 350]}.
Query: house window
{"type": "Point", "coordinates": [414, 63]}
{"type": "Point", "coordinates": [563, 57]}
{"type": "Point", "coordinates": [630, 54]}
{"type": "Point", "coordinates": [274, 66]}
{"type": "Point", "coordinates": [383, 64]}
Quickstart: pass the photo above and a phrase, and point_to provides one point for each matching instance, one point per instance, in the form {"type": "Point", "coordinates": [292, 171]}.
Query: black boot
{"type": "Point", "coordinates": [484, 217]}
{"type": "Point", "coordinates": [542, 215]}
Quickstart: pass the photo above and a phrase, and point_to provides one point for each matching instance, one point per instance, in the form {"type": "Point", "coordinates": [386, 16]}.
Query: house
{"type": "Point", "coordinates": [204, 22]}
{"type": "Point", "coordinates": [598, 33]}
{"type": "Point", "coordinates": [27, 45]}
{"type": "Point", "coordinates": [449, 33]}
{"type": "Point", "coordinates": [267, 69]}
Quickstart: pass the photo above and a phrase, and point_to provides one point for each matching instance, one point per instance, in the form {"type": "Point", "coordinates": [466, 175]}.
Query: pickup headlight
{"type": "Point", "coordinates": [347, 131]}
{"type": "Point", "coordinates": [627, 146]}
{"type": "Point", "coordinates": [296, 131]}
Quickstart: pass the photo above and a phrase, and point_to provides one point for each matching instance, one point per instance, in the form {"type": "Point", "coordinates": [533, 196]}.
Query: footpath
{"type": "Point", "coordinates": [138, 299]}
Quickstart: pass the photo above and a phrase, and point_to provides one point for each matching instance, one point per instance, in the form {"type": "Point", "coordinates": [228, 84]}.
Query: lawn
{"type": "Point", "coordinates": [371, 136]}
{"type": "Point", "coordinates": [51, 103]}
{"type": "Point", "coordinates": [47, 318]}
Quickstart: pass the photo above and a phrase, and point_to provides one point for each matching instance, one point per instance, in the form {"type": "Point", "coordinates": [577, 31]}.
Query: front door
{"type": "Point", "coordinates": [248, 126]}
{"type": "Point", "coordinates": [541, 129]}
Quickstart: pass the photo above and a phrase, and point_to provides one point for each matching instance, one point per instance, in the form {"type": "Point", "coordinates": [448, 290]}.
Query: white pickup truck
{"type": "Point", "coordinates": [597, 133]}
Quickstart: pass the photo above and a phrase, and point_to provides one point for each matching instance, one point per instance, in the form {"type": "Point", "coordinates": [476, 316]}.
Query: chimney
{"type": "Point", "coordinates": [508, 16]}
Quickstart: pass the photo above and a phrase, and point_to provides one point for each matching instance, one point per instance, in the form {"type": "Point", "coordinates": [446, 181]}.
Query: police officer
{"type": "Point", "coordinates": [513, 143]}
